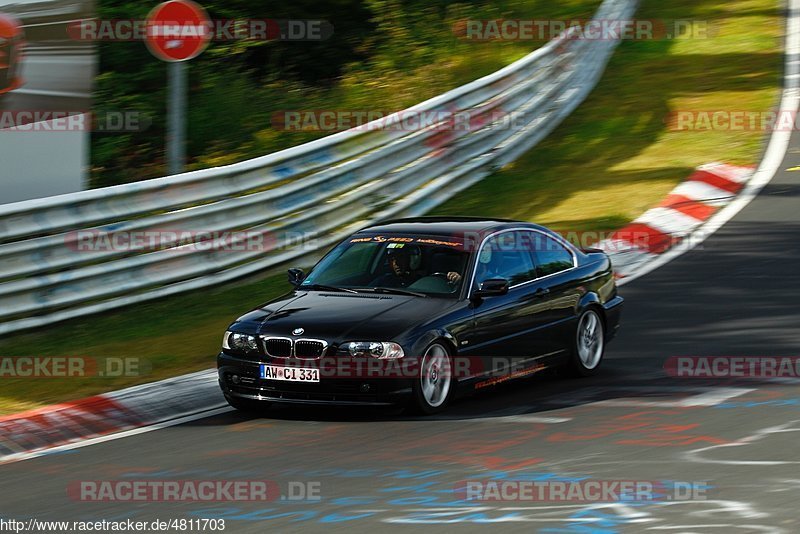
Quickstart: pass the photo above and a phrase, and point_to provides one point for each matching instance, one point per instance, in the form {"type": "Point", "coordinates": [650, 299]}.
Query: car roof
{"type": "Point", "coordinates": [446, 225]}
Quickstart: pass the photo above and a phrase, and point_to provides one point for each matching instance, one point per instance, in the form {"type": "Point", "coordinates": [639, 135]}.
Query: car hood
{"type": "Point", "coordinates": [337, 317]}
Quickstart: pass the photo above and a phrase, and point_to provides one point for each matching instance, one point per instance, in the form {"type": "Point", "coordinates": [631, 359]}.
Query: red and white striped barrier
{"type": "Point", "coordinates": [39, 430]}
{"type": "Point", "coordinates": [681, 213]}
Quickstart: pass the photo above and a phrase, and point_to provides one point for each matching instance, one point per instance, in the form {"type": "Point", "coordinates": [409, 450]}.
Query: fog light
{"type": "Point", "coordinates": [235, 379]}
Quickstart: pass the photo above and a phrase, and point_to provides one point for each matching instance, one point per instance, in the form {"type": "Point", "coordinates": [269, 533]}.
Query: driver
{"type": "Point", "coordinates": [404, 263]}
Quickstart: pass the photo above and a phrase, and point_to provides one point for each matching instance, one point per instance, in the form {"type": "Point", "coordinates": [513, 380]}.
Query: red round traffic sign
{"type": "Point", "coordinates": [177, 30]}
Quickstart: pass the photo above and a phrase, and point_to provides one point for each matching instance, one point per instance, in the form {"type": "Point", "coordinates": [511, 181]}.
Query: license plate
{"type": "Point", "coordinates": [289, 374]}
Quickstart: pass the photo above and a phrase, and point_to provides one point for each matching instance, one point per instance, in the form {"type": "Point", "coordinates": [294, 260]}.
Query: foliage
{"type": "Point", "coordinates": [384, 55]}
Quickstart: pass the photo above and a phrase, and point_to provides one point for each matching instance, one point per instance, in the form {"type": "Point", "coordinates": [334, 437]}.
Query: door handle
{"type": "Point", "coordinates": [541, 292]}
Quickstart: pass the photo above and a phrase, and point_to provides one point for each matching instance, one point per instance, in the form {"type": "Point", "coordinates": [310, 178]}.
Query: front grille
{"type": "Point", "coordinates": [309, 349]}
{"type": "Point", "coordinates": [278, 347]}
{"type": "Point", "coordinates": [284, 347]}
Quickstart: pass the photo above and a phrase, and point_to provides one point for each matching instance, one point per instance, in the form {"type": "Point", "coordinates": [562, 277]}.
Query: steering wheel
{"type": "Point", "coordinates": [442, 275]}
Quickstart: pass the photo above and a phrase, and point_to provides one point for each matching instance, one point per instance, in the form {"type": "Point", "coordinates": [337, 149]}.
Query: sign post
{"type": "Point", "coordinates": [177, 31]}
{"type": "Point", "coordinates": [176, 118]}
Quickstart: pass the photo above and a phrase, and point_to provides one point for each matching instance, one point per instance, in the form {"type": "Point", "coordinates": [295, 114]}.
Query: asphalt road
{"type": "Point", "coordinates": [734, 443]}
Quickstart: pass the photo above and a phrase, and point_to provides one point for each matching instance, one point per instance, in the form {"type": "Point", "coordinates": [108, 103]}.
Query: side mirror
{"type": "Point", "coordinates": [296, 276]}
{"type": "Point", "coordinates": [492, 288]}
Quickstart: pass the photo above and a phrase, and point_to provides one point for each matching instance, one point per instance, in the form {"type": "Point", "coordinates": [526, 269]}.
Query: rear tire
{"type": "Point", "coordinates": [588, 344]}
{"type": "Point", "coordinates": [435, 382]}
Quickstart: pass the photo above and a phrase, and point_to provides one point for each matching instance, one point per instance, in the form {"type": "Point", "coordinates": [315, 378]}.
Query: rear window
{"type": "Point", "coordinates": [551, 256]}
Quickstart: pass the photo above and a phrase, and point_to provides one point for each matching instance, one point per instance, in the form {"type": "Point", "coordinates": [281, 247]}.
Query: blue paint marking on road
{"type": "Point", "coordinates": [426, 498]}
{"type": "Point", "coordinates": [353, 501]}
{"type": "Point", "coordinates": [795, 401]}
{"type": "Point", "coordinates": [425, 487]}
{"type": "Point", "coordinates": [339, 518]}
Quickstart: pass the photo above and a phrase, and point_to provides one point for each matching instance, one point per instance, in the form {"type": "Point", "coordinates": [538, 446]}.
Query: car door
{"type": "Point", "coordinates": [506, 328]}
{"type": "Point", "coordinates": [555, 264]}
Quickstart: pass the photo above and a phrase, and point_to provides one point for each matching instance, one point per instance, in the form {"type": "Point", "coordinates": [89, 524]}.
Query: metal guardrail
{"type": "Point", "coordinates": [326, 188]}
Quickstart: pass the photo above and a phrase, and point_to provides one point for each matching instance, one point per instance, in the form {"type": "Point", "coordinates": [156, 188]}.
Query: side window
{"type": "Point", "coordinates": [505, 256]}
{"type": "Point", "coordinates": [551, 256]}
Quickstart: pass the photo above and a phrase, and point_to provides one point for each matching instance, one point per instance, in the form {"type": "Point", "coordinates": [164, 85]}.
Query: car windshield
{"type": "Point", "coordinates": [401, 264]}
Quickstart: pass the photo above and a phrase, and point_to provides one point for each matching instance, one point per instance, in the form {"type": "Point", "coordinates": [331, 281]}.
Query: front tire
{"type": "Point", "coordinates": [435, 382]}
{"type": "Point", "coordinates": [588, 344]}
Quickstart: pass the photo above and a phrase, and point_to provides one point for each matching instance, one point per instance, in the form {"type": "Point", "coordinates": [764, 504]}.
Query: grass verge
{"type": "Point", "coordinates": [616, 156]}
{"type": "Point", "coordinates": [610, 161]}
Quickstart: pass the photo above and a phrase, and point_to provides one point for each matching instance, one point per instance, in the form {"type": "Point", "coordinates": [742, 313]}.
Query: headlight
{"type": "Point", "coordinates": [376, 349]}
{"type": "Point", "coordinates": [235, 341]}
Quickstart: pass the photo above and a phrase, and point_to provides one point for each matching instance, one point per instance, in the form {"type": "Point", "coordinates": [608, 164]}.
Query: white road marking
{"type": "Point", "coordinates": [703, 397]}
{"type": "Point", "coordinates": [517, 419]}
{"type": "Point", "coordinates": [111, 437]}
{"type": "Point", "coordinates": [696, 455]}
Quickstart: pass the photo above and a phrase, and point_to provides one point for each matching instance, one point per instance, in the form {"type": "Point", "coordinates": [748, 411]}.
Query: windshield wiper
{"type": "Point", "coordinates": [323, 287]}
{"type": "Point", "coordinates": [397, 291]}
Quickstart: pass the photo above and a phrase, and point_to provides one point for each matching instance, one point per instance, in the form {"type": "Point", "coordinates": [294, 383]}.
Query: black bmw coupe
{"type": "Point", "coordinates": [408, 311]}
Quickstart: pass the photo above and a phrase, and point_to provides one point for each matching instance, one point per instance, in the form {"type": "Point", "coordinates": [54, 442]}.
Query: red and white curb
{"type": "Point", "coordinates": [36, 432]}
{"type": "Point", "coordinates": [676, 219]}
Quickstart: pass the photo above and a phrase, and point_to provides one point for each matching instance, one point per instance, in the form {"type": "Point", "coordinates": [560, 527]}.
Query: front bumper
{"type": "Point", "coordinates": [240, 378]}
